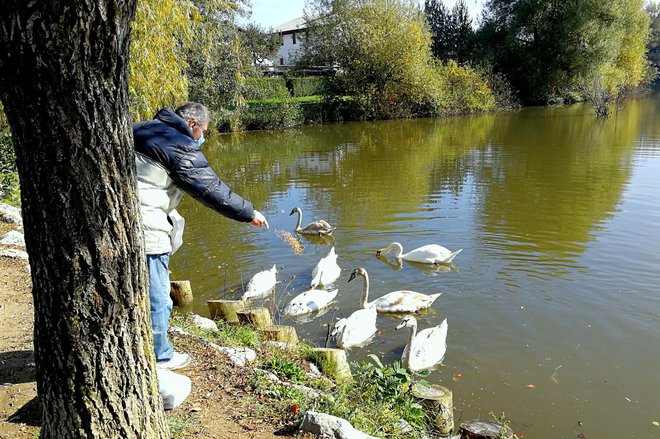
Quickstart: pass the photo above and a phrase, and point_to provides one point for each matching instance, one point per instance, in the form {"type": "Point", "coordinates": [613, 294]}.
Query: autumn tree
{"type": "Point", "coordinates": [382, 48]}
{"type": "Point", "coordinates": [63, 84]}
{"type": "Point", "coordinates": [179, 47]}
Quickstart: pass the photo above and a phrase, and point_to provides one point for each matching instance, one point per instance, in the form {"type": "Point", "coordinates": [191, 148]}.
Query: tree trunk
{"type": "Point", "coordinates": [63, 83]}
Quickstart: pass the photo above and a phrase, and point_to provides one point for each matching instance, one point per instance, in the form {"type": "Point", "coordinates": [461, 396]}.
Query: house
{"type": "Point", "coordinates": [292, 34]}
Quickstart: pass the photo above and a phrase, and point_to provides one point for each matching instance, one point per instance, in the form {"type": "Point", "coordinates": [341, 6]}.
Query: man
{"type": "Point", "coordinates": [169, 163]}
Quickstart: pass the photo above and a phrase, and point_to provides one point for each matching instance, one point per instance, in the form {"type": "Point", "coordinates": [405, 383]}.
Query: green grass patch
{"type": "Point", "coordinates": [226, 335]}
{"type": "Point", "coordinates": [179, 423]}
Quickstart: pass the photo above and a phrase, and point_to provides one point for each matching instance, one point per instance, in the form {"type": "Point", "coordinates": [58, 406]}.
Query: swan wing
{"type": "Point", "coordinates": [430, 254]}
{"type": "Point", "coordinates": [330, 274]}
{"type": "Point", "coordinates": [358, 328]}
{"type": "Point", "coordinates": [309, 301]}
{"type": "Point", "coordinates": [326, 271]}
{"type": "Point", "coordinates": [319, 227]}
{"type": "Point", "coordinates": [261, 284]}
{"type": "Point", "coordinates": [404, 301]}
{"type": "Point", "coordinates": [428, 348]}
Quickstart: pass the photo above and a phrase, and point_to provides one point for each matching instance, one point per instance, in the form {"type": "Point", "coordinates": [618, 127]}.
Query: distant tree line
{"type": "Point", "coordinates": [554, 50]}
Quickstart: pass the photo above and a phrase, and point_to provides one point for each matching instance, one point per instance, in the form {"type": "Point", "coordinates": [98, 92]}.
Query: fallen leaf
{"type": "Point", "coordinates": [531, 386]}
{"type": "Point", "coordinates": [656, 423]}
{"type": "Point", "coordinates": [295, 409]}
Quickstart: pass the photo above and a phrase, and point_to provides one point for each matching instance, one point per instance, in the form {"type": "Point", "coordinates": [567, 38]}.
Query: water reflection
{"type": "Point", "coordinates": [543, 206]}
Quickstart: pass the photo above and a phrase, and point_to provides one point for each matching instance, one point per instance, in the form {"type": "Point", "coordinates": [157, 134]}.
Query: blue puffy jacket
{"type": "Point", "coordinates": [169, 161]}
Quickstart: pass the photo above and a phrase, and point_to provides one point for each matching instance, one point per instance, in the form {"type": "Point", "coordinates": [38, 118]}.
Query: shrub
{"type": "Point", "coordinates": [259, 89]}
{"type": "Point", "coordinates": [307, 85]}
{"type": "Point", "coordinates": [285, 114]}
{"type": "Point", "coordinates": [466, 91]}
{"type": "Point", "coordinates": [270, 117]}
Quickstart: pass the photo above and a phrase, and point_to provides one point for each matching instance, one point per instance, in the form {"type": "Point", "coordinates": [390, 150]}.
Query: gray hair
{"type": "Point", "coordinates": [193, 111]}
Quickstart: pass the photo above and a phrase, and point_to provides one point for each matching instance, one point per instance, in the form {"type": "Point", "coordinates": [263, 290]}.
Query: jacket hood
{"type": "Point", "coordinates": [170, 118]}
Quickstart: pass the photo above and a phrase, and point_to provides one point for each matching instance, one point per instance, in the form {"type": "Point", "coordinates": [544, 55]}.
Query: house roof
{"type": "Point", "coordinates": [291, 25]}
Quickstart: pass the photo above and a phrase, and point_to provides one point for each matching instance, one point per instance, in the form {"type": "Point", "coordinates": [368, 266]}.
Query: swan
{"type": "Point", "coordinates": [358, 328]}
{"type": "Point", "coordinates": [424, 349]}
{"type": "Point", "coordinates": [319, 227]}
{"type": "Point", "coordinates": [326, 271]}
{"type": "Point", "coordinates": [309, 301]}
{"type": "Point", "coordinates": [427, 254]}
{"type": "Point", "coordinates": [396, 301]}
{"type": "Point", "coordinates": [261, 284]}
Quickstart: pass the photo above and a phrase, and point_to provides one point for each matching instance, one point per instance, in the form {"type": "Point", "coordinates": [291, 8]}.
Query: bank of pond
{"type": "Point", "coordinates": [386, 400]}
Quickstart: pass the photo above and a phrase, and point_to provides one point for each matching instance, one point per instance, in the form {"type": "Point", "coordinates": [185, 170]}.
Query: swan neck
{"type": "Point", "coordinates": [365, 291]}
{"type": "Point", "coordinates": [413, 332]}
{"type": "Point", "coordinates": [405, 361]}
{"type": "Point", "coordinates": [398, 250]}
{"type": "Point", "coordinates": [299, 224]}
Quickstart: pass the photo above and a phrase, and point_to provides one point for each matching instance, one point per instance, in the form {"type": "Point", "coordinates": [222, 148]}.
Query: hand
{"type": "Point", "coordinates": [259, 220]}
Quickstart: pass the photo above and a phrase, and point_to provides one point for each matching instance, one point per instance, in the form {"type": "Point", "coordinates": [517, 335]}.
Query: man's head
{"type": "Point", "coordinates": [197, 116]}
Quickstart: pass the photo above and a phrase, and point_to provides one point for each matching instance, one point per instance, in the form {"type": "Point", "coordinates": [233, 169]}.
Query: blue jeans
{"type": "Point", "coordinates": [161, 304]}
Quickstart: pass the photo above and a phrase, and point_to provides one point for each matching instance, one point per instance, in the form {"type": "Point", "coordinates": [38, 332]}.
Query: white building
{"type": "Point", "coordinates": [291, 33]}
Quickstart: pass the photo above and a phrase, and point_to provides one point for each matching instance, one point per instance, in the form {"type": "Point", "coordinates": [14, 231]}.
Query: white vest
{"type": "Point", "coordinates": [159, 197]}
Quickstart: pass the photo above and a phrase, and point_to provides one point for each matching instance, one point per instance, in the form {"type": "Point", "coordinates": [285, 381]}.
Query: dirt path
{"type": "Point", "coordinates": [213, 410]}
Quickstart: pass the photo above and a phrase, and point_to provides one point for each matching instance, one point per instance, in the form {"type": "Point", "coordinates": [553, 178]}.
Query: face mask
{"type": "Point", "coordinates": [200, 141]}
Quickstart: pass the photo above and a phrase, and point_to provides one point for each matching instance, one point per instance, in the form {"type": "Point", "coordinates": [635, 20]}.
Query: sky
{"type": "Point", "coordinates": [272, 13]}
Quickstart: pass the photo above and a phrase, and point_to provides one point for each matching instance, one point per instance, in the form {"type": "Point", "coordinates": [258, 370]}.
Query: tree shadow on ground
{"type": "Point", "coordinates": [17, 367]}
{"type": "Point", "coordinates": [29, 414]}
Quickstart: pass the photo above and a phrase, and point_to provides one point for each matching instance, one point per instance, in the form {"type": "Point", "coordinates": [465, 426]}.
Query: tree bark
{"type": "Point", "coordinates": [63, 83]}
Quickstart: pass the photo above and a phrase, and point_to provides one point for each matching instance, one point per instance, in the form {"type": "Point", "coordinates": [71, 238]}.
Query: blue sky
{"type": "Point", "coordinates": [271, 13]}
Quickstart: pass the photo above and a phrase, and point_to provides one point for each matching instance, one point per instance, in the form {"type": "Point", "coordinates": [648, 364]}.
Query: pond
{"type": "Point", "coordinates": [553, 305]}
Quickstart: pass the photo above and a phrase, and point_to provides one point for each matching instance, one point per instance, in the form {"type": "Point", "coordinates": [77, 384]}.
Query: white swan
{"type": "Point", "coordinates": [309, 301]}
{"type": "Point", "coordinates": [261, 284]}
{"type": "Point", "coordinates": [319, 227]}
{"type": "Point", "coordinates": [428, 254]}
{"type": "Point", "coordinates": [426, 348]}
{"type": "Point", "coordinates": [358, 328]}
{"type": "Point", "coordinates": [396, 301]}
{"type": "Point", "coordinates": [326, 271]}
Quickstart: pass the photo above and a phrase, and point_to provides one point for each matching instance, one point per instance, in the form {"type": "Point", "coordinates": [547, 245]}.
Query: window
{"type": "Point", "coordinates": [294, 38]}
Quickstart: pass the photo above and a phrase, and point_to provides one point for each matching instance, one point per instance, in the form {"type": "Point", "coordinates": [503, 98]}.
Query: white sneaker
{"type": "Point", "coordinates": [178, 361]}
{"type": "Point", "coordinates": [174, 388]}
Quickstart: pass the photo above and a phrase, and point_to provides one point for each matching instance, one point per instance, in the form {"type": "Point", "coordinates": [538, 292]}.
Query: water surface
{"type": "Point", "coordinates": [553, 306]}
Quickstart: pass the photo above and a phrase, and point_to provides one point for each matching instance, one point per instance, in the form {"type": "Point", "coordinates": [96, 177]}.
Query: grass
{"type": "Point", "coordinates": [179, 423]}
{"type": "Point", "coordinates": [226, 335]}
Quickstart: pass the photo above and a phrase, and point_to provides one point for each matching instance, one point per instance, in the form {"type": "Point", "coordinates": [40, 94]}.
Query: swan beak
{"type": "Point", "coordinates": [400, 326]}
{"type": "Point", "coordinates": [352, 276]}
{"type": "Point", "coordinates": [377, 252]}
{"type": "Point", "coordinates": [292, 212]}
